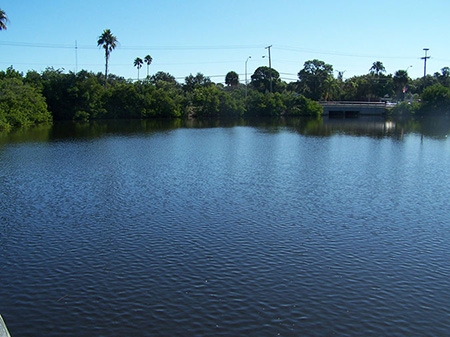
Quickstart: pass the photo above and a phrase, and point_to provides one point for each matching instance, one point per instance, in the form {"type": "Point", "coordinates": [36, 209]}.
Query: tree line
{"type": "Point", "coordinates": [55, 95]}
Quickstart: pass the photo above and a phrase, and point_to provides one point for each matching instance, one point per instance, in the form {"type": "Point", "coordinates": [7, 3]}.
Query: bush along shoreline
{"type": "Point", "coordinates": [54, 95]}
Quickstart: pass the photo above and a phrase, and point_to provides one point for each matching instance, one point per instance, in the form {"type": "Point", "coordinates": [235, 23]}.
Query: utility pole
{"type": "Point", "coordinates": [76, 57]}
{"type": "Point", "coordinates": [270, 67]}
{"type": "Point", "coordinates": [246, 77]}
{"type": "Point", "coordinates": [425, 62]}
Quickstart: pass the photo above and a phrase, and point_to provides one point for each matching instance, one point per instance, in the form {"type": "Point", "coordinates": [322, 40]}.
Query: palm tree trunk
{"type": "Point", "coordinates": [106, 67]}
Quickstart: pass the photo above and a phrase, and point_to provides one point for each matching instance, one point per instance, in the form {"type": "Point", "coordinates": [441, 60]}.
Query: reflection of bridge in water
{"type": "Point", "coordinates": [366, 125]}
{"type": "Point", "coordinates": [353, 109]}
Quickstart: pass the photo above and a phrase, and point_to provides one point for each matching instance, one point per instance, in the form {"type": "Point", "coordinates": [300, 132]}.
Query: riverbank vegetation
{"type": "Point", "coordinates": [53, 94]}
{"type": "Point", "coordinates": [56, 95]}
{"type": "Point", "coordinates": [88, 96]}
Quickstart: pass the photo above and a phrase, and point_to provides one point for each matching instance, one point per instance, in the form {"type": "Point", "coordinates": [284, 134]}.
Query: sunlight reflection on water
{"type": "Point", "coordinates": [225, 231]}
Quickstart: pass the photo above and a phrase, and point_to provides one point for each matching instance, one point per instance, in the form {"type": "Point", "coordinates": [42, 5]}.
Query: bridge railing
{"type": "Point", "coordinates": [353, 103]}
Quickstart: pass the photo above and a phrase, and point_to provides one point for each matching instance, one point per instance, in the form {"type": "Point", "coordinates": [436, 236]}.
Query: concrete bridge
{"type": "Point", "coordinates": [352, 109]}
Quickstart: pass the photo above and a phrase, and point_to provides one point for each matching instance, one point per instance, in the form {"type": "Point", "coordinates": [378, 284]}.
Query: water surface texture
{"type": "Point", "coordinates": [247, 230]}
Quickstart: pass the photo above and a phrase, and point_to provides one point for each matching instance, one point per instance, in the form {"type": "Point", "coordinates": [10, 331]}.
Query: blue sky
{"type": "Point", "coordinates": [214, 37]}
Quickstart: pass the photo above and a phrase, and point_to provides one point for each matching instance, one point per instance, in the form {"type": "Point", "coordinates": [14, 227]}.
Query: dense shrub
{"type": "Point", "coordinates": [406, 108]}
{"type": "Point", "coordinates": [21, 104]}
{"type": "Point", "coordinates": [437, 96]}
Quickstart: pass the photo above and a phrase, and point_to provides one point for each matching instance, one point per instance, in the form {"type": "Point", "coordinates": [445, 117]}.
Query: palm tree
{"type": "Point", "coordinates": [3, 20]}
{"type": "Point", "coordinates": [138, 64]}
{"type": "Point", "coordinates": [400, 80]}
{"type": "Point", "coordinates": [330, 88]}
{"type": "Point", "coordinates": [377, 68]}
{"type": "Point", "coordinates": [108, 42]}
{"type": "Point", "coordinates": [232, 79]}
{"type": "Point", "coordinates": [148, 59]}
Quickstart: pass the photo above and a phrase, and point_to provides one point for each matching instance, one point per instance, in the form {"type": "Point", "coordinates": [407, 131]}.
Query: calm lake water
{"type": "Point", "coordinates": [186, 228]}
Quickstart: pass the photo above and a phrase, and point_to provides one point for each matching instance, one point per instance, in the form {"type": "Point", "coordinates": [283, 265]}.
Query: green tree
{"type": "Point", "coordinates": [418, 85]}
{"type": "Point", "coordinates": [400, 79]}
{"type": "Point", "coordinates": [88, 96]}
{"type": "Point", "coordinates": [204, 101]}
{"type": "Point", "coordinates": [299, 105]}
{"type": "Point", "coordinates": [162, 76]}
{"type": "Point", "coordinates": [21, 104]}
{"type": "Point", "coordinates": [377, 68]}
{"type": "Point", "coordinates": [312, 78]}
{"type": "Point", "coordinates": [331, 88]}
{"type": "Point", "coordinates": [261, 78]}
{"type": "Point", "coordinates": [109, 43]}
{"type": "Point", "coordinates": [367, 87]}
{"type": "Point", "coordinates": [265, 104]}
{"type": "Point", "coordinates": [382, 86]}
{"type": "Point", "coordinates": [11, 73]}
{"type": "Point", "coordinates": [138, 64]}
{"type": "Point", "coordinates": [124, 101]}
{"type": "Point", "coordinates": [443, 77]}
{"type": "Point", "coordinates": [350, 89]}
{"type": "Point", "coordinates": [148, 59]}
{"type": "Point", "coordinates": [191, 82]}
{"type": "Point", "coordinates": [58, 89]}
{"type": "Point", "coordinates": [34, 79]}
{"type": "Point", "coordinates": [436, 97]}
{"type": "Point", "coordinates": [71, 96]}
{"type": "Point", "coordinates": [166, 103]}
{"type": "Point", "coordinates": [232, 79]}
{"type": "Point", "coordinates": [3, 20]}
{"type": "Point", "coordinates": [445, 72]}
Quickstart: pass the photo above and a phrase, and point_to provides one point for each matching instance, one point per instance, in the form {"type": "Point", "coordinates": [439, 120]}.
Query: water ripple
{"type": "Point", "coordinates": [225, 232]}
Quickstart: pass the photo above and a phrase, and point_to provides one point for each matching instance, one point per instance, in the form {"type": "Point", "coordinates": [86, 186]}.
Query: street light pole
{"type": "Point", "coordinates": [270, 67]}
{"type": "Point", "coordinates": [246, 76]}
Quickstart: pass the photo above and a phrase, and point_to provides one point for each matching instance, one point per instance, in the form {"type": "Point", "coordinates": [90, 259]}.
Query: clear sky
{"type": "Point", "coordinates": [216, 36]}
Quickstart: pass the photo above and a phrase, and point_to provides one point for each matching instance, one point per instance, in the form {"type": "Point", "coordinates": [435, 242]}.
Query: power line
{"type": "Point", "coordinates": [189, 47]}
{"type": "Point", "coordinates": [193, 47]}
{"type": "Point", "coordinates": [66, 46]}
{"type": "Point", "coordinates": [120, 64]}
{"type": "Point", "coordinates": [288, 79]}
{"type": "Point", "coordinates": [439, 59]}
{"type": "Point", "coordinates": [37, 45]}
{"type": "Point", "coordinates": [315, 51]}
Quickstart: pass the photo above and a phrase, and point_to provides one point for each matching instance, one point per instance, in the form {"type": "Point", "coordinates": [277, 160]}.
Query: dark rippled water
{"type": "Point", "coordinates": [226, 231]}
